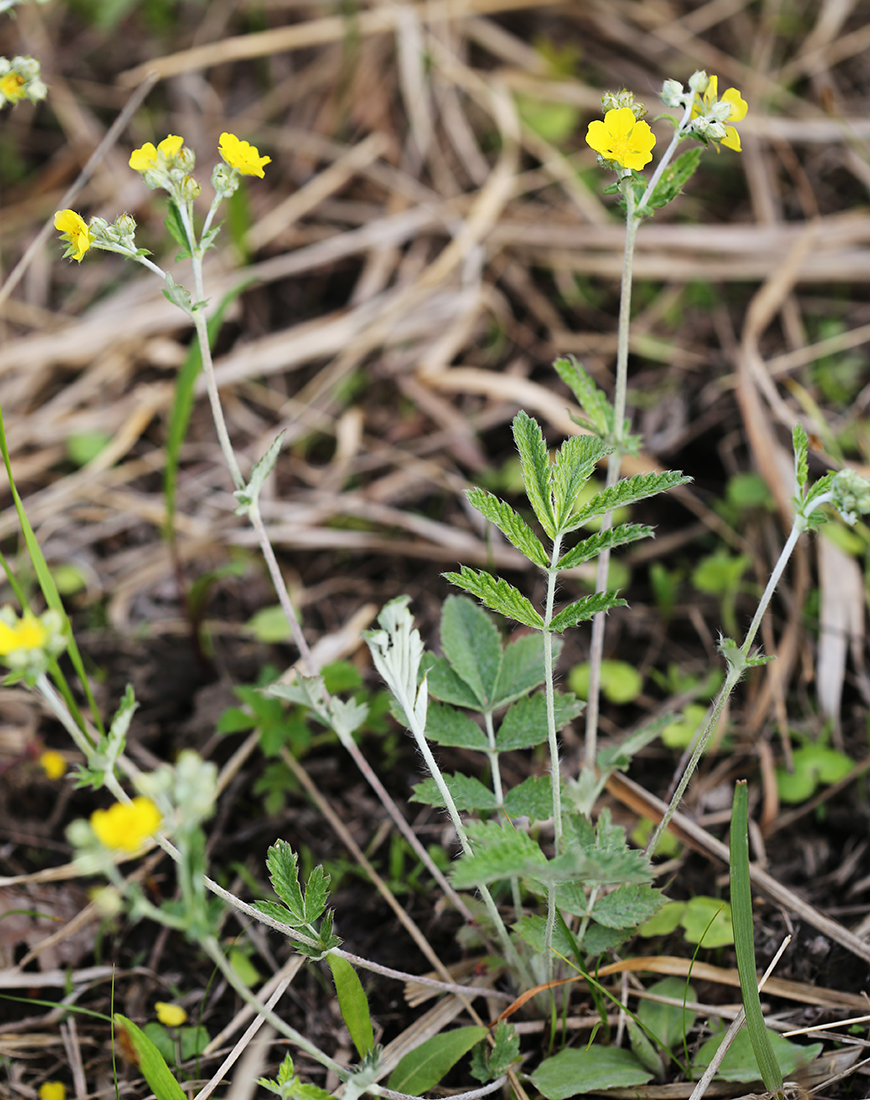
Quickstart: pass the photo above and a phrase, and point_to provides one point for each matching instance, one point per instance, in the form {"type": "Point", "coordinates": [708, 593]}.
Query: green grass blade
{"type": "Point", "coordinates": [744, 941]}
{"type": "Point", "coordinates": [139, 1049]}
{"type": "Point", "coordinates": [52, 598]}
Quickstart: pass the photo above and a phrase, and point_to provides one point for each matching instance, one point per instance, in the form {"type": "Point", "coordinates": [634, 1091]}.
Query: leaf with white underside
{"type": "Point", "coordinates": [498, 595]}
{"type": "Point", "coordinates": [525, 724]}
{"type": "Point", "coordinates": [583, 609]}
{"type": "Point", "coordinates": [510, 523]}
{"type": "Point", "coordinates": [605, 540]}
{"type": "Point", "coordinates": [535, 462]}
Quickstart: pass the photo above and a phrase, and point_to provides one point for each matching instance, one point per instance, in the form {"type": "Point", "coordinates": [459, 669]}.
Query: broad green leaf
{"type": "Point", "coordinates": [627, 906]}
{"type": "Point", "coordinates": [591, 399]}
{"type": "Point", "coordinates": [499, 851]}
{"type": "Point", "coordinates": [813, 764]}
{"type": "Point", "coordinates": [584, 609]}
{"type": "Point", "coordinates": [525, 723]}
{"type": "Point", "coordinates": [575, 461]}
{"type": "Point", "coordinates": [591, 1069]}
{"type": "Point", "coordinates": [620, 682]}
{"type": "Point", "coordinates": [665, 921]}
{"type": "Point", "coordinates": [522, 668]}
{"type": "Point", "coordinates": [447, 726]}
{"type": "Point", "coordinates": [628, 491]}
{"type": "Point", "coordinates": [446, 685]}
{"type": "Point", "coordinates": [707, 921]}
{"type": "Point", "coordinates": [467, 792]}
{"type": "Point", "coordinates": [607, 540]}
{"type": "Point", "coordinates": [739, 1063]}
{"type": "Point", "coordinates": [600, 855]}
{"type": "Point", "coordinates": [669, 1023]}
{"type": "Point", "coordinates": [353, 1003]}
{"type": "Point", "coordinates": [533, 931]}
{"type": "Point", "coordinates": [720, 573]}
{"type": "Point", "coordinates": [150, 1061]}
{"type": "Point", "coordinates": [599, 939]}
{"type": "Point", "coordinates": [511, 525]}
{"type": "Point", "coordinates": [422, 1068]}
{"type": "Point", "coordinates": [535, 461]}
{"type": "Point", "coordinates": [498, 595]}
{"type": "Point", "coordinates": [533, 798]}
{"type": "Point", "coordinates": [281, 861]}
{"type": "Point", "coordinates": [470, 642]}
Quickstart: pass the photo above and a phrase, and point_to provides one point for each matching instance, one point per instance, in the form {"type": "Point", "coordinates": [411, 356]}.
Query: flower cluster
{"type": "Point", "coordinates": [20, 79]}
{"type": "Point", "coordinates": [850, 494]}
{"type": "Point", "coordinates": [622, 140]}
{"type": "Point", "coordinates": [80, 235]}
{"type": "Point", "coordinates": [710, 113]}
{"type": "Point", "coordinates": [29, 644]}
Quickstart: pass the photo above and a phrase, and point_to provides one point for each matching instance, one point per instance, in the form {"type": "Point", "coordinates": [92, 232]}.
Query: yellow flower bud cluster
{"type": "Point", "coordinates": [20, 79]}
{"type": "Point", "coordinates": [30, 643]}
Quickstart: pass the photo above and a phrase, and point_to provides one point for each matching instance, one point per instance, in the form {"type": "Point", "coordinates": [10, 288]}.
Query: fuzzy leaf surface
{"type": "Point", "coordinates": [522, 668]}
{"type": "Point", "coordinates": [445, 684]}
{"type": "Point", "coordinates": [470, 642]}
{"type": "Point", "coordinates": [282, 862]}
{"type": "Point", "coordinates": [585, 608]}
{"type": "Point", "coordinates": [468, 793]}
{"type": "Point", "coordinates": [627, 491]}
{"type": "Point", "coordinates": [610, 539]}
{"type": "Point", "coordinates": [533, 798]}
{"type": "Point", "coordinates": [628, 906]}
{"type": "Point", "coordinates": [447, 726]}
{"type": "Point", "coordinates": [535, 462]}
{"type": "Point", "coordinates": [596, 855]}
{"type": "Point", "coordinates": [591, 399]}
{"type": "Point", "coordinates": [533, 931]}
{"type": "Point", "coordinates": [676, 176]}
{"type": "Point", "coordinates": [498, 852]}
{"type": "Point", "coordinates": [575, 461]}
{"type": "Point", "coordinates": [800, 443]}
{"type": "Point", "coordinates": [510, 523]}
{"type": "Point", "coordinates": [525, 724]}
{"type": "Point", "coordinates": [498, 595]}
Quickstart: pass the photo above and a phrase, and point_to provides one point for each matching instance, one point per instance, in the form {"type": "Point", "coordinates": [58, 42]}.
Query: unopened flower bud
{"type": "Point", "coordinates": [672, 93]}
{"type": "Point", "coordinates": [224, 180]}
{"type": "Point", "coordinates": [612, 101]}
{"type": "Point", "coordinates": [185, 159]}
{"type": "Point", "coordinates": [125, 224]}
{"type": "Point", "coordinates": [698, 82]}
{"type": "Point", "coordinates": [154, 179]}
{"type": "Point", "coordinates": [189, 189]}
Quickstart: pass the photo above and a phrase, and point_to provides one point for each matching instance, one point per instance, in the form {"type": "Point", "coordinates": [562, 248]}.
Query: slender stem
{"type": "Point", "coordinates": [596, 646]}
{"type": "Point", "coordinates": [553, 744]}
{"type": "Point", "coordinates": [666, 157]}
{"type": "Point", "coordinates": [493, 754]}
{"type": "Point", "coordinates": [61, 712]}
{"type": "Point", "coordinates": [212, 949]}
{"type": "Point", "coordinates": [797, 527]}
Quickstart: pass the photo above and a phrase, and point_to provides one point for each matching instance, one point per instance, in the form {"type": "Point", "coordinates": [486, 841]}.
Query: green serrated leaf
{"type": "Point", "coordinates": [627, 491]}
{"type": "Point", "coordinates": [447, 726]}
{"type": "Point", "coordinates": [353, 1004]}
{"type": "Point", "coordinates": [498, 595]}
{"type": "Point", "coordinates": [610, 539]}
{"type": "Point", "coordinates": [446, 685]}
{"type": "Point", "coordinates": [584, 609]}
{"type": "Point", "coordinates": [498, 852]}
{"type": "Point", "coordinates": [591, 399]}
{"type": "Point", "coordinates": [250, 495]}
{"type": "Point", "coordinates": [525, 724]}
{"type": "Point", "coordinates": [175, 226]}
{"type": "Point", "coordinates": [522, 668]}
{"type": "Point", "coordinates": [316, 894]}
{"type": "Point", "coordinates": [800, 443]}
{"type": "Point", "coordinates": [422, 1068]}
{"type": "Point", "coordinates": [533, 798]}
{"type": "Point", "coordinates": [505, 1050]}
{"type": "Point", "coordinates": [535, 462]}
{"type": "Point", "coordinates": [467, 792]}
{"type": "Point", "coordinates": [533, 931]}
{"type": "Point", "coordinates": [675, 177]}
{"type": "Point", "coordinates": [628, 906]}
{"type": "Point", "coordinates": [592, 1069]}
{"type": "Point", "coordinates": [281, 861]}
{"type": "Point", "coordinates": [575, 461]}
{"type": "Point", "coordinates": [600, 855]}
{"type": "Point", "coordinates": [510, 523]}
{"type": "Point", "coordinates": [470, 642]}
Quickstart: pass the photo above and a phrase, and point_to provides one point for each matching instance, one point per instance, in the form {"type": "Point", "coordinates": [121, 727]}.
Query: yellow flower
{"type": "Point", "coordinates": [738, 106]}
{"type": "Point", "coordinates": [621, 138]}
{"type": "Point", "coordinates": [27, 633]}
{"type": "Point", "coordinates": [53, 764]}
{"type": "Point", "coordinates": [52, 1090]}
{"type": "Point", "coordinates": [12, 87]}
{"type": "Point", "coordinates": [72, 226]}
{"type": "Point", "coordinates": [242, 156]}
{"type": "Point", "coordinates": [126, 826]}
{"type": "Point", "coordinates": [146, 157]}
{"type": "Point", "coordinates": [170, 1015]}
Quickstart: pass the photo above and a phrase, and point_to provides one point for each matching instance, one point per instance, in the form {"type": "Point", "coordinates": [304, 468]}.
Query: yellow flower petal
{"type": "Point", "coordinates": [622, 139]}
{"type": "Point", "coordinates": [53, 764]}
{"type": "Point", "coordinates": [73, 226]}
{"type": "Point", "coordinates": [170, 146]}
{"type": "Point", "coordinates": [738, 105]}
{"type": "Point", "coordinates": [144, 158]}
{"type": "Point", "coordinates": [125, 826]}
{"type": "Point", "coordinates": [12, 87]}
{"type": "Point", "coordinates": [170, 1015]}
{"type": "Point", "coordinates": [242, 156]}
{"type": "Point", "coordinates": [52, 1090]}
{"type": "Point", "coordinates": [27, 633]}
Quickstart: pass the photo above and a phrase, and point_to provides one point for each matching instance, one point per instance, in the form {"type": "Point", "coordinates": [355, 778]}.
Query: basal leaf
{"type": "Point", "coordinates": [511, 525]}
{"type": "Point", "coordinates": [498, 595]}
{"type": "Point", "coordinates": [422, 1068]}
{"type": "Point", "coordinates": [575, 461]}
{"type": "Point", "coordinates": [499, 851]}
{"type": "Point", "coordinates": [525, 723]}
{"type": "Point", "coordinates": [353, 1004]}
{"type": "Point", "coordinates": [522, 668]}
{"type": "Point", "coordinates": [533, 931]}
{"type": "Point", "coordinates": [149, 1060]}
{"type": "Point", "coordinates": [628, 906]}
{"type": "Point", "coordinates": [591, 1069]}
{"type": "Point", "coordinates": [471, 644]}
{"type": "Point", "coordinates": [533, 798]}
{"type": "Point", "coordinates": [739, 1063]}
{"type": "Point", "coordinates": [583, 609]}
{"type": "Point", "coordinates": [669, 1023]}
{"type": "Point", "coordinates": [535, 462]}
{"type": "Point", "coordinates": [447, 726]}
{"type": "Point", "coordinates": [468, 793]}
{"type": "Point", "coordinates": [606, 540]}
